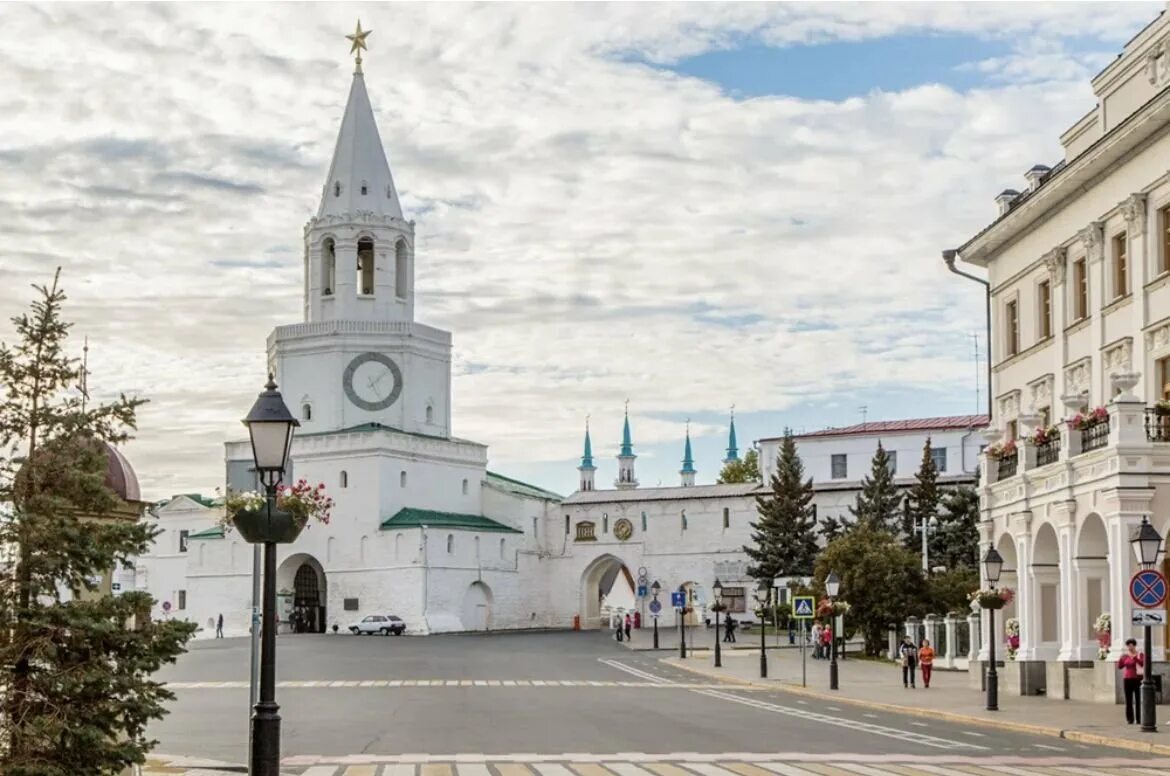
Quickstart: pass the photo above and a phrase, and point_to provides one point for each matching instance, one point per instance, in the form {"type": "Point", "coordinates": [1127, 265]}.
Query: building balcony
{"type": "Point", "coordinates": [1129, 425]}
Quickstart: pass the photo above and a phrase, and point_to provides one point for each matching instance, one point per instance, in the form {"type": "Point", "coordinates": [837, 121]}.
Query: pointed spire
{"type": "Point", "coordinates": [359, 160]}
{"type": "Point", "coordinates": [627, 445]}
{"type": "Point", "coordinates": [587, 458]}
{"type": "Point", "coordinates": [732, 448]}
{"type": "Point", "coordinates": [688, 459]}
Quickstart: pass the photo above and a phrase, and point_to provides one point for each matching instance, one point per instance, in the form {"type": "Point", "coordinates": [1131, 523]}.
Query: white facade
{"type": "Point", "coordinates": [838, 458]}
{"type": "Point", "coordinates": [1079, 266]}
{"type": "Point", "coordinates": [164, 571]}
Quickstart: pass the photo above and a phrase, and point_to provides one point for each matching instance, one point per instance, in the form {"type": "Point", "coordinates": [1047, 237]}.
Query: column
{"type": "Point", "coordinates": [1118, 528]}
{"type": "Point", "coordinates": [1028, 595]}
{"type": "Point", "coordinates": [976, 649]}
{"type": "Point", "coordinates": [1071, 615]}
{"type": "Point", "coordinates": [950, 626]}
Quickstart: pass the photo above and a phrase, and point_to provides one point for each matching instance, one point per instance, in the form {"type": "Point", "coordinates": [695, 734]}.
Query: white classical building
{"type": "Point", "coordinates": [1079, 267]}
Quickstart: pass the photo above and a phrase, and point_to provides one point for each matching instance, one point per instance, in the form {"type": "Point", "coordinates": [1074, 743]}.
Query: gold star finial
{"type": "Point", "coordinates": [358, 39]}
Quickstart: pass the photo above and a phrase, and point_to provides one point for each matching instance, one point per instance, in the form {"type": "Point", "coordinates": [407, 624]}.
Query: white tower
{"type": "Point", "coordinates": [587, 468]}
{"type": "Point", "coordinates": [359, 357]}
{"type": "Point", "coordinates": [626, 479]}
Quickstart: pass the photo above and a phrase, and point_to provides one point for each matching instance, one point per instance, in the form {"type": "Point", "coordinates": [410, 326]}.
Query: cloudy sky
{"type": "Point", "coordinates": [690, 206]}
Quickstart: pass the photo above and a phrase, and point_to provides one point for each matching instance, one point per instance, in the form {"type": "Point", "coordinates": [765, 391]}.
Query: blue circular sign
{"type": "Point", "coordinates": [1147, 588]}
{"type": "Point", "coordinates": [655, 607]}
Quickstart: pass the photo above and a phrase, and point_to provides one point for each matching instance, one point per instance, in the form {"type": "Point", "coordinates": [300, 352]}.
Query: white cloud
{"type": "Point", "coordinates": [584, 221]}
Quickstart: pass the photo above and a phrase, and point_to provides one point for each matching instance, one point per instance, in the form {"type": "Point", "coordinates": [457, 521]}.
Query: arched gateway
{"type": "Point", "coordinates": [607, 577]}
{"type": "Point", "coordinates": [303, 576]}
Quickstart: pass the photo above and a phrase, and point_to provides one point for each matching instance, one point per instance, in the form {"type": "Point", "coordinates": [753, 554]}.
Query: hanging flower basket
{"type": "Point", "coordinates": [294, 508]}
{"type": "Point", "coordinates": [992, 598]}
{"type": "Point", "coordinates": [1162, 407]}
{"type": "Point", "coordinates": [257, 527]}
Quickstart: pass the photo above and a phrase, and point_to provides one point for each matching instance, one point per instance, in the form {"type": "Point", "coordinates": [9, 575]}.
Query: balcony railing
{"type": "Point", "coordinates": [1095, 437]}
{"type": "Point", "coordinates": [1048, 452]}
{"type": "Point", "coordinates": [1007, 465]}
{"type": "Point", "coordinates": [1157, 425]}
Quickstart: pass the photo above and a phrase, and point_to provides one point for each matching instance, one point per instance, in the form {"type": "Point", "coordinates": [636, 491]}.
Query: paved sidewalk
{"type": "Point", "coordinates": [878, 685]}
{"type": "Point", "coordinates": [702, 638]}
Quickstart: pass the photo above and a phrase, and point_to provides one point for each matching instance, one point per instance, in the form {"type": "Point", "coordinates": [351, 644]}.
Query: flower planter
{"type": "Point", "coordinates": [991, 602]}
{"type": "Point", "coordinates": [258, 528]}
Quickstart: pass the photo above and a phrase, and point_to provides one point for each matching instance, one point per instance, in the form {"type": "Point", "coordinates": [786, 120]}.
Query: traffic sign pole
{"type": "Point", "coordinates": [1147, 588]}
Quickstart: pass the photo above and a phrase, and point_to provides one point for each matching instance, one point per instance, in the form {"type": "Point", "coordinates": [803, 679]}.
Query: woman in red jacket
{"type": "Point", "coordinates": [1131, 679]}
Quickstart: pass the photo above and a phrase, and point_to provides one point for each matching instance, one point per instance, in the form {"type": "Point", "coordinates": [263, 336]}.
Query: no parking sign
{"type": "Point", "coordinates": [1147, 588]}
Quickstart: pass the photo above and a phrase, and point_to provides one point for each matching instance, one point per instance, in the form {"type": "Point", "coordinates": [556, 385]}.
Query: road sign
{"type": "Point", "coordinates": [1149, 616]}
{"type": "Point", "coordinates": [803, 607]}
{"type": "Point", "coordinates": [1147, 588]}
{"type": "Point", "coordinates": [641, 591]}
{"type": "Point", "coordinates": [678, 599]}
{"type": "Point", "coordinates": [655, 607]}
{"type": "Point", "coordinates": [166, 606]}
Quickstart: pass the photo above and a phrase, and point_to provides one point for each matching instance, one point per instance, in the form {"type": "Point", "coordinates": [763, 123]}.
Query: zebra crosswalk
{"type": "Point", "coordinates": [705, 765]}
{"type": "Point", "coordinates": [339, 683]}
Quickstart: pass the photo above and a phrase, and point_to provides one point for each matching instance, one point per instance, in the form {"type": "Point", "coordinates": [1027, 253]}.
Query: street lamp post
{"type": "Point", "coordinates": [270, 427]}
{"type": "Point", "coordinates": [655, 589]}
{"type": "Point", "coordinates": [682, 625]}
{"type": "Point", "coordinates": [717, 594]}
{"type": "Point", "coordinates": [926, 527]}
{"type": "Point", "coordinates": [833, 587]}
{"type": "Point", "coordinates": [993, 567]}
{"type": "Point", "coordinates": [777, 583]}
{"type": "Point", "coordinates": [1147, 544]}
{"type": "Point", "coordinates": [762, 598]}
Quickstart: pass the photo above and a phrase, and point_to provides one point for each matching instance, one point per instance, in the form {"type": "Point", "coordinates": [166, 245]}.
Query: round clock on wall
{"type": "Point", "coordinates": [372, 381]}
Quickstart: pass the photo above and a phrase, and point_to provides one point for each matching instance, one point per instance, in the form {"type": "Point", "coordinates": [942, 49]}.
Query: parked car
{"type": "Point", "coordinates": [379, 623]}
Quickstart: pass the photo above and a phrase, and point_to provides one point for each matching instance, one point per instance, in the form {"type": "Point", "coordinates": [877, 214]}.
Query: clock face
{"type": "Point", "coordinates": [623, 529]}
{"type": "Point", "coordinates": [372, 381]}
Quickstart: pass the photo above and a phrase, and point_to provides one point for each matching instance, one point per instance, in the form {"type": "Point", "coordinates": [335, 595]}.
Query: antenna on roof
{"type": "Point", "coordinates": [864, 410]}
{"type": "Point", "coordinates": [978, 372]}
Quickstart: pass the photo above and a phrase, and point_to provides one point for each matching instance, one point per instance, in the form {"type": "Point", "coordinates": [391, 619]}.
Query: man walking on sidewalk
{"type": "Point", "coordinates": [909, 655]}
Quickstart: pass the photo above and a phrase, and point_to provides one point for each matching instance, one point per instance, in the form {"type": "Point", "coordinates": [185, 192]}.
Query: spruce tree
{"type": "Point", "coordinates": [956, 544]}
{"type": "Point", "coordinates": [785, 542]}
{"type": "Point", "coordinates": [75, 692]}
{"type": "Point", "coordinates": [922, 502]}
{"type": "Point", "coordinates": [878, 504]}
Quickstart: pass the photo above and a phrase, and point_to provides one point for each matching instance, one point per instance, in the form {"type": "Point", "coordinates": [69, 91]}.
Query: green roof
{"type": "Point", "coordinates": [409, 517]}
{"type": "Point", "coordinates": [215, 532]}
{"type": "Point", "coordinates": [524, 488]}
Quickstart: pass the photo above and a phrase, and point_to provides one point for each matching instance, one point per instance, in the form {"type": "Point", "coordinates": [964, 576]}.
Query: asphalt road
{"type": "Point", "coordinates": [625, 702]}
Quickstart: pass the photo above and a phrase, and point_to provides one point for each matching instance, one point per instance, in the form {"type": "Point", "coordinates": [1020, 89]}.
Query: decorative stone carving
{"type": "Point", "coordinates": [1055, 263]}
{"type": "Point", "coordinates": [1134, 208]}
{"type": "Point", "coordinates": [1159, 338]}
{"type": "Point", "coordinates": [1009, 405]}
{"type": "Point", "coordinates": [1118, 358]}
{"type": "Point", "coordinates": [1158, 65]}
{"type": "Point", "coordinates": [1125, 382]}
{"type": "Point", "coordinates": [1073, 402]}
{"type": "Point", "coordinates": [1040, 391]}
{"type": "Point", "coordinates": [1076, 376]}
{"type": "Point", "coordinates": [1093, 239]}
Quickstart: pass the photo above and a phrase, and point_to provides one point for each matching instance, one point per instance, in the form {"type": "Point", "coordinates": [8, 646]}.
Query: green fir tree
{"type": "Point", "coordinates": [956, 543]}
{"type": "Point", "coordinates": [922, 503]}
{"type": "Point", "coordinates": [784, 538]}
{"type": "Point", "coordinates": [879, 502]}
{"type": "Point", "coordinates": [75, 693]}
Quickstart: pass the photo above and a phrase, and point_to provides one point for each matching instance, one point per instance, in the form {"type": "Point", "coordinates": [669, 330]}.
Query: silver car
{"type": "Point", "coordinates": [379, 623]}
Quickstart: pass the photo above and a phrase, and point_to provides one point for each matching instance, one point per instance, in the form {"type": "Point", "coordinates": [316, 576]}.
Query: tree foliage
{"type": "Point", "coordinates": [746, 469]}
{"type": "Point", "coordinates": [879, 502]}
{"type": "Point", "coordinates": [784, 537]}
{"type": "Point", "coordinates": [947, 591]}
{"type": "Point", "coordinates": [880, 579]}
{"type": "Point", "coordinates": [922, 502]}
{"type": "Point", "coordinates": [956, 543]}
{"type": "Point", "coordinates": [75, 694]}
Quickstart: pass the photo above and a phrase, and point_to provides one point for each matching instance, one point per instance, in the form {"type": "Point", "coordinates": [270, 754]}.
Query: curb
{"type": "Point", "coordinates": [1079, 736]}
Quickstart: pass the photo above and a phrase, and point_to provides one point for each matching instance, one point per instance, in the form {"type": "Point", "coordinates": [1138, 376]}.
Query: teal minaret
{"type": "Point", "coordinates": [587, 468]}
{"type": "Point", "coordinates": [687, 472]}
{"type": "Point", "coordinates": [626, 479]}
{"type": "Point", "coordinates": [732, 449]}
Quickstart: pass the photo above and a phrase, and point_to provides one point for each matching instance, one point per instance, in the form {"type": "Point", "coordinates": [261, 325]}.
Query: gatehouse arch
{"type": "Point", "coordinates": [477, 607]}
{"type": "Point", "coordinates": [606, 578]}
{"type": "Point", "coordinates": [302, 576]}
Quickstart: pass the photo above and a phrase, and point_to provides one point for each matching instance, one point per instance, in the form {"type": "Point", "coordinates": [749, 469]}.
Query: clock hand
{"type": "Point", "coordinates": [373, 387]}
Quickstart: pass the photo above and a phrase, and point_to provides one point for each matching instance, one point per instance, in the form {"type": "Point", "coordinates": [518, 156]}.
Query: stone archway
{"type": "Point", "coordinates": [609, 578]}
{"type": "Point", "coordinates": [302, 578]}
{"type": "Point", "coordinates": [476, 613]}
{"type": "Point", "coordinates": [1045, 596]}
{"type": "Point", "coordinates": [690, 591]}
{"type": "Point", "coordinates": [1091, 586]}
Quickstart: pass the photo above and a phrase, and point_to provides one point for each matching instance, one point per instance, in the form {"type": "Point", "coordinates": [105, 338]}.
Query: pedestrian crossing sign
{"type": "Point", "coordinates": [803, 607]}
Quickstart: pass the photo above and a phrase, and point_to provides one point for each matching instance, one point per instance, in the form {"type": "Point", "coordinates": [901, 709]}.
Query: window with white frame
{"type": "Point", "coordinates": [839, 462]}
{"type": "Point", "coordinates": [939, 456]}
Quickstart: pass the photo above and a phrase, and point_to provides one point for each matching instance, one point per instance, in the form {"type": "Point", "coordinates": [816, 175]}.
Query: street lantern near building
{"type": "Point", "coordinates": [992, 568]}
{"type": "Point", "coordinates": [717, 594]}
{"type": "Point", "coordinates": [270, 429]}
{"type": "Point", "coordinates": [833, 587]}
{"type": "Point", "coordinates": [1147, 545]}
{"type": "Point", "coordinates": [762, 593]}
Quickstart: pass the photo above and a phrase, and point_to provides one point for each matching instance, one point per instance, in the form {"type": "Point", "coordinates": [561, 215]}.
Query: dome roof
{"type": "Point", "coordinates": [120, 476]}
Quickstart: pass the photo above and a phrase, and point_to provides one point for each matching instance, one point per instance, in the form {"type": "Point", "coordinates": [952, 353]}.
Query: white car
{"type": "Point", "coordinates": [385, 624]}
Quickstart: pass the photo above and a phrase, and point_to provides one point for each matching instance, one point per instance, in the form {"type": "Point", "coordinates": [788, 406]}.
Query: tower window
{"type": "Point", "coordinates": [726, 517]}
{"type": "Point", "coordinates": [365, 266]}
{"type": "Point", "coordinates": [389, 192]}
{"type": "Point", "coordinates": [306, 411]}
{"type": "Point", "coordinates": [345, 479]}
{"type": "Point", "coordinates": [328, 267]}
{"type": "Point", "coordinates": [365, 189]}
{"type": "Point", "coordinates": [430, 414]}
{"type": "Point", "coordinates": [643, 522]}
{"type": "Point", "coordinates": [683, 517]}
{"type": "Point", "coordinates": [566, 525]}
{"type": "Point", "coordinates": [503, 547]}
{"type": "Point", "coordinates": [337, 188]}
{"type": "Point", "coordinates": [605, 522]}
{"type": "Point", "coordinates": [402, 479]}
{"type": "Point", "coordinates": [400, 270]}
{"type": "Point", "coordinates": [465, 487]}
{"type": "Point", "coordinates": [450, 543]}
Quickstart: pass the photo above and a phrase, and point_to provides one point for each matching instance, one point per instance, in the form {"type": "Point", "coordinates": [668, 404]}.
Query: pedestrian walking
{"type": "Point", "coordinates": [219, 627]}
{"type": "Point", "coordinates": [629, 624]}
{"type": "Point", "coordinates": [617, 631]}
{"type": "Point", "coordinates": [730, 632]}
{"type": "Point", "coordinates": [791, 631]}
{"type": "Point", "coordinates": [909, 655]}
{"type": "Point", "coordinates": [827, 641]}
{"type": "Point", "coordinates": [1131, 680]}
{"type": "Point", "coordinates": [926, 662]}
{"type": "Point", "coordinates": [817, 629]}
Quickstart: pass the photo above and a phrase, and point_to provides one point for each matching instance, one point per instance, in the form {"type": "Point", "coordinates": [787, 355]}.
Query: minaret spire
{"type": "Point", "coordinates": [687, 472]}
{"type": "Point", "coordinates": [587, 468]}
{"type": "Point", "coordinates": [732, 448]}
{"type": "Point", "coordinates": [626, 479]}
